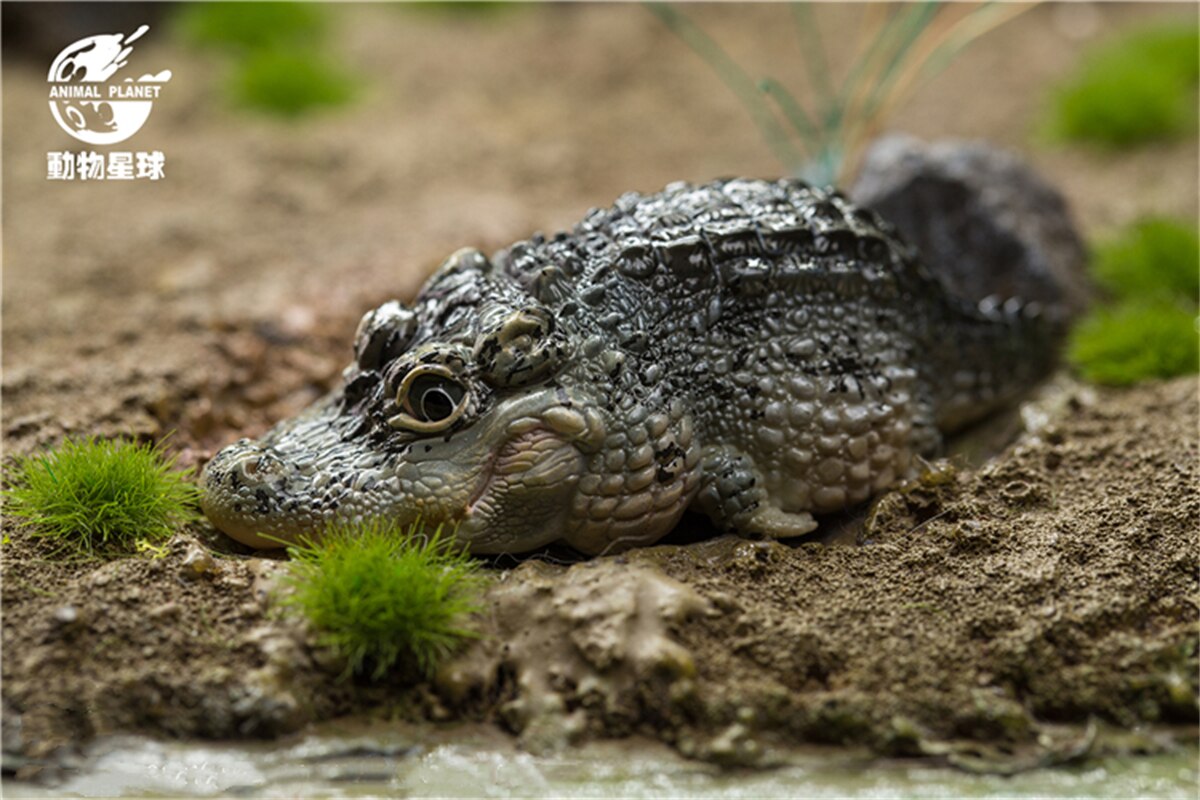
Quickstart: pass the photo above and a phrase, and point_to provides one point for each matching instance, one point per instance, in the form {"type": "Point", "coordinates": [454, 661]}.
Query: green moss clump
{"type": "Point", "coordinates": [1153, 257]}
{"type": "Point", "coordinates": [94, 497]}
{"type": "Point", "coordinates": [1136, 89]}
{"type": "Point", "coordinates": [289, 83]}
{"type": "Point", "coordinates": [276, 52]}
{"type": "Point", "coordinates": [464, 8]}
{"type": "Point", "coordinates": [1135, 341]}
{"type": "Point", "coordinates": [1151, 272]}
{"type": "Point", "coordinates": [379, 595]}
{"type": "Point", "coordinates": [252, 26]}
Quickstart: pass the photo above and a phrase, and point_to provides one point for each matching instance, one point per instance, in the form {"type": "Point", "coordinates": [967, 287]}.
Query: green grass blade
{"type": "Point", "coordinates": [734, 77]}
{"type": "Point", "coordinates": [839, 111]}
{"type": "Point", "coordinates": [791, 109]}
{"type": "Point", "coordinates": [915, 21]}
{"type": "Point", "coordinates": [813, 51]}
{"type": "Point", "coordinates": [100, 497]}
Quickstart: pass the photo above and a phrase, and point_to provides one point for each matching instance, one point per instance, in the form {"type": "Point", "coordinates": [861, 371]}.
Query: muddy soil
{"type": "Point", "coordinates": [1054, 585]}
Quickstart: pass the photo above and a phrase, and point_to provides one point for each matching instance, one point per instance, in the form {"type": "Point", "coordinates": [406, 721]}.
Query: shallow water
{"type": "Point", "coordinates": [481, 762]}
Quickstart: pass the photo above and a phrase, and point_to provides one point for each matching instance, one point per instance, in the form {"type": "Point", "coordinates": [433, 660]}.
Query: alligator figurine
{"type": "Point", "coordinates": [757, 351]}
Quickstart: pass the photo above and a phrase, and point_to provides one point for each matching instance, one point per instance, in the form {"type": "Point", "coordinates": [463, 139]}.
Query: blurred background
{"type": "Point", "coordinates": [321, 159]}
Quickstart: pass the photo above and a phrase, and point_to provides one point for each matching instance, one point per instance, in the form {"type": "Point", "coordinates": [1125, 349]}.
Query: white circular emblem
{"type": "Point", "coordinates": [90, 106]}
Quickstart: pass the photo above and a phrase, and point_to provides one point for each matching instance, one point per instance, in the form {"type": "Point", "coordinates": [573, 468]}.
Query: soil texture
{"type": "Point", "coordinates": [981, 609]}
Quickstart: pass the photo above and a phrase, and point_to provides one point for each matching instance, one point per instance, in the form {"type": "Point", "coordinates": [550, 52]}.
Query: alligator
{"type": "Point", "coordinates": [758, 351]}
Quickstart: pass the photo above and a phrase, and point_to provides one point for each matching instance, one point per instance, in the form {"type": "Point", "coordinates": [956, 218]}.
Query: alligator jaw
{"type": "Point", "coordinates": [306, 474]}
{"type": "Point", "coordinates": [504, 486]}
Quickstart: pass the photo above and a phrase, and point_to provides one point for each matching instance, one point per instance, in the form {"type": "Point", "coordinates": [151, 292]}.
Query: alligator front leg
{"type": "Point", "coordinates": [733, 494]}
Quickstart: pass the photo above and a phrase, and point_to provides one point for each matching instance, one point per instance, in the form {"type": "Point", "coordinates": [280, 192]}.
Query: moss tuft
{"type": "Point", "coordinates": [1134, 341]}
{"type": "Point", "coordinates": [290, 83]}
{"type": "Point", "coordinates": [1153, 257]}
{"type": "Point", "coordinates": [1151, 272]}
{"type": "Point", "coordinates": [464, 8]}
{"type": "Point", "coordinates": [1136, 89]}
{"type": "Point", "coordinates": [91, 497]}
{"type": "Point", "coordinates": [382, 596]}
{"type": "Point", "coordinates": [252, 26]}
{"type": "Point", "coordinates": [276, 54]}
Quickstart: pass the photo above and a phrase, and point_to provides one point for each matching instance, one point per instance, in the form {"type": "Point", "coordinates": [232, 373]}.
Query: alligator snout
{"type": "Point", "coordinates": [245, 466]}
{"type": "Point", "coordinates": [305, 475]}
{"type": "Point", "coordinates": [244, 486]}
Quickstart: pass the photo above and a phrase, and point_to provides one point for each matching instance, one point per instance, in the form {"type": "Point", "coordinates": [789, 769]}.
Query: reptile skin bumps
{"type": "Point", "coordinates": [757, 351]}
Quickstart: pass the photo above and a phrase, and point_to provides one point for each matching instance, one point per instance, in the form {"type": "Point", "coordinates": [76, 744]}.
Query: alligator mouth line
{"type": "Point", "coordinates": [507, 456]}
{"type": "Point", "coordinates": [486, 480]}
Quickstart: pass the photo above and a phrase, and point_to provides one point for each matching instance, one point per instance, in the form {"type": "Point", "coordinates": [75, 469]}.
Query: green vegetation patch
{"type": "Point", "coordinates": [1155, 256]}
{"type": "Point", "coordinates": [1132, 342]}
{"type": "Point", "coordinates": [1151, 272]}
{"type": "Point", "coordinates": [290, 83]}
{"type": "Point", "coordinates": [252, 26]}
{"type": "Point", "coordinates": [1136, 89]}
{"type": "Point", "coordinates": [464, 8]}
{"type": "Point", "coordinates": [94, 496]}
{"type": "Point", "coordinates": [380, 595]}
{"type": "Point", "coordinates": [278, 60]}
{"type": "Point", "coordinates": [901, 44]}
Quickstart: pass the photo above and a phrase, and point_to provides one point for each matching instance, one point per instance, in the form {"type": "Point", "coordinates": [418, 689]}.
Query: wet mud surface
{"type": "Point", "coordinates": [984, 608]}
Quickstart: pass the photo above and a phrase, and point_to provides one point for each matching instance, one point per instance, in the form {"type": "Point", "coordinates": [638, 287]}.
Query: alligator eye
{"type": "Point", "coordinates": [432, 398]}
{"type": "Point", "coordinates": [429, 399]}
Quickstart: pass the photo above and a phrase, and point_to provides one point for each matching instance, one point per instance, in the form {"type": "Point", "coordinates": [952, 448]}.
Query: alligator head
{"type": "Point", "coordinates": [455, 410]}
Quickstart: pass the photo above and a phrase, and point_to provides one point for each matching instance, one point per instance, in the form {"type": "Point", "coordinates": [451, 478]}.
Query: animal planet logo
{"type": "Point", "coordinates": [83, 101]}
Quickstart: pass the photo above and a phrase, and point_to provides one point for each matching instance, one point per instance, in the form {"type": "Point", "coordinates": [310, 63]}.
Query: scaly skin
{"type": "Point", "coordinates": [759, 351]}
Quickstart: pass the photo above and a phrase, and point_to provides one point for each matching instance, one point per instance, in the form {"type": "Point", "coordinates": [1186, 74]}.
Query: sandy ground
{"type": "Point", "coordinates": [1054, 585]}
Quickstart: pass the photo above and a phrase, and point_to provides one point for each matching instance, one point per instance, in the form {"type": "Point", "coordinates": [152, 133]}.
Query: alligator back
{"type": "Point", "coordinates": [814, 352]}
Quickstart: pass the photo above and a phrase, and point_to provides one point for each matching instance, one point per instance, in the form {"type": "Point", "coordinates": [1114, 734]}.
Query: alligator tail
{"type": "Point", "coordinates": [1002, 242]}
{"type": "Point", "coordinates": [990, 353]}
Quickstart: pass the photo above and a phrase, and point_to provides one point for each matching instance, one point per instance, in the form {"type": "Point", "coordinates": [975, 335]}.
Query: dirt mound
{"type": "Point", "coordinates": [1056, 583]}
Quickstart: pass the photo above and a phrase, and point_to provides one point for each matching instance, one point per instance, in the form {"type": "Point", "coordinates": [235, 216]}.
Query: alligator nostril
{"type": "Point", "coordinates": [259, 467]}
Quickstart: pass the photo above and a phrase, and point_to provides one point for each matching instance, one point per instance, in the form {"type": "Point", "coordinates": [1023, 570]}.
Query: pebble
{"type": "Point", "coordinates": [168, 609]}
{"type": "Point", "coordinates": [197, 562]}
